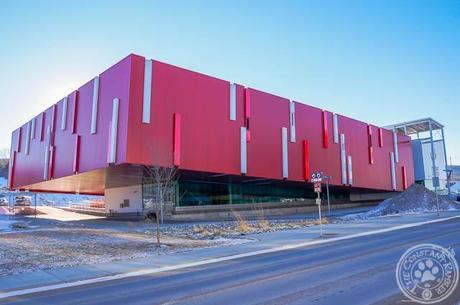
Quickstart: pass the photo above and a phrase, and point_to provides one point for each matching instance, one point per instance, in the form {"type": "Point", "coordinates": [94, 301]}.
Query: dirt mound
{"type": "Point", "coordinates": [416, 199]}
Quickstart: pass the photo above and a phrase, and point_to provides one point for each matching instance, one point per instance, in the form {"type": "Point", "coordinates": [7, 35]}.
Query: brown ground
{"type": "Point", "coordinates": [59, 247]}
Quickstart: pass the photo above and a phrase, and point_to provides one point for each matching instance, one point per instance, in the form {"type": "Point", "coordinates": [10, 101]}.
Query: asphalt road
{"type": "Point", "coordinates": [357, 271]}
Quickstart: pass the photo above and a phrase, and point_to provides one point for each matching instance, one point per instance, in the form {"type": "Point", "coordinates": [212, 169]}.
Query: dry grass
{"type": "Point", "coordinates": [198, 229]}
{"type": "Point", "coordinates": [324, 221]}
{"type": "Point", "coordinates": [264, 225]}
{"type": "Point", "coordinates": [61, 247]}
{"type": "Point", "coordinates": [242, 225]}
{"type": "Point", "coordinates": [205, 232]}
{"type": "Point", "coordinates": [306, 223]}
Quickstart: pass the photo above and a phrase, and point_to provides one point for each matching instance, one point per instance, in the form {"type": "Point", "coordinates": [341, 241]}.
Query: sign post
{"type": "Point", "coordinates": [435, 180]}
{"type": "Point", "coordinates": [327, 194]}
{"type": "Point", "coordinates": [317, 178]}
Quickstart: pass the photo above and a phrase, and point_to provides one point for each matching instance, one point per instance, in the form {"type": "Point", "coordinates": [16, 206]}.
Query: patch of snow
{"type": "Point", "coordinates": [62, 215]}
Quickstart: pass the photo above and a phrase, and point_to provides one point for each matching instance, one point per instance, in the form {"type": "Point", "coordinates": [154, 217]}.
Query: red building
{"type": "Point", "coordinates": [231, 144]}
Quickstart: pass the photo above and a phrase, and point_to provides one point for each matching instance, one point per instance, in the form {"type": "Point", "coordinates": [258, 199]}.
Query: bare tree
{"type": "Point", "coordinates": [161, 182]}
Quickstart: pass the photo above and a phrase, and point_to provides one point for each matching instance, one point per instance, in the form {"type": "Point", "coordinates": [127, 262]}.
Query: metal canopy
{"type": "Point", "coordinates": [424, 127]}
{"type": "Point", "coordinates": [416, 126]}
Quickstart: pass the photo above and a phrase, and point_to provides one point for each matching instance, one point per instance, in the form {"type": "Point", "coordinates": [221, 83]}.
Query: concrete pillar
{"type": "Point", "coordinates": [433, 157]}
{"type": "Point", "coordinates": [445, 158]}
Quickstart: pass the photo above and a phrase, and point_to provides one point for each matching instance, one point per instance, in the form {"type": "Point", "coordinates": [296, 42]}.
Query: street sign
{"type": "Point", "coordinates": [317, 186]}
{"type": "Point", "coordinates": [316, 177]}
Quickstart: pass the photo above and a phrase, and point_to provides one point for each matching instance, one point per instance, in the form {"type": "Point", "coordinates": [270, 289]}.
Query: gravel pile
{"type": "Point", "coordinates": [416, 199]}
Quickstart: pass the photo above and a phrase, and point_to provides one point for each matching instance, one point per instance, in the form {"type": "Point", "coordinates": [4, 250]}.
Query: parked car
{"type": "Point", "coordinates": [3, 201]}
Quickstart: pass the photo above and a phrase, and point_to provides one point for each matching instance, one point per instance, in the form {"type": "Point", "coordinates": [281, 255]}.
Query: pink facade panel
{"type": "Point", "coordinates": [113, 83]}
{"type": "Point", "coordinates": [309, 126]}
{"type": "Point", "coordinates": [405, 159]}
{"type": "Point", "coordinates": [265, 147]}
{"type": "Point", "coordinates": [203, 138]}
{"type": "Point", "coordinates": [31, 168]}
{"type": "Point", "coordinates": [64, 140]}
{"type": "Point", "coordinates": [209, 139]}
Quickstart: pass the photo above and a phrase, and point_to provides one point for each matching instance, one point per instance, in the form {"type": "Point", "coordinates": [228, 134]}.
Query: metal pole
{"type": "Point", "coordinates": [437, 200]}
{"type": "Point", "coordinates": [230, 199]}
{"type": "Point", "coordinates": [328, 201]}
{"type": "Point", "coordinates": [445, 158]}
{"type": "Point", "coordinates": [35, 203]}
{"type": "Point", "coordinates": [320, 220]}
{"type": "Point", "coordinates": [433, 164]}
{"type": "Point", "coordinates": [176, 186]}
{"type": "Point", "coordinates": [161, 212]}
{"type": "Point", "coordinates": [160, 203]}
{"type": "Point", "coordinates": [158, 230]}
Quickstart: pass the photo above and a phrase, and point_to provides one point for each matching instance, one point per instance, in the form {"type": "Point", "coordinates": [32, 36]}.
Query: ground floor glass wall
{"type": "Point", "coordinates": [193, 193]}
{"type": "Point", "coordinates": [150, 195]}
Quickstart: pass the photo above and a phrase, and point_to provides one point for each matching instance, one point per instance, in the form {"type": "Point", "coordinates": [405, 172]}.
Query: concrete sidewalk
{"type": "Point", "coordinates": [263, 241]}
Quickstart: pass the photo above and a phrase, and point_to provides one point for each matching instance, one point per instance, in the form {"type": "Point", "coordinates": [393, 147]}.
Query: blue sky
{"type": "Point", "coordinates": [378, 61]}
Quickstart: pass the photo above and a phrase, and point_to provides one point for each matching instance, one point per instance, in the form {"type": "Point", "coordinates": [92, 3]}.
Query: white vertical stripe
{"type": "Point", "coordinates": [95, 102]}
{"type": "Point", "coordinates": [42, 127]}
{"type": "Point", "coordinates": [32, 131]}
{"type": "Point", "coordinates": [284, 139]}
{"type": "Point", "coordinates": [292, 120]}
{"type": "Point", "coordinates": [232, 102]}
{"type": "Point", "coordinates": [10, 169]}
{"type": "Point", "coordinates": [243, 151]}
{"type": "Point", "coordinates": [114, 131]}
{"type": "Point", "coordinates": [147, 100]}
{"type": "Point", "coordinates": [350, 171]}
{"type": "Point", "coordinates": [64, 114]}
{"type": "Point", "coordinates": [47, 153]}
{"type": "Point", "coordinates": [28, 138]}
{"type": "Point", "coordinates": [343, 159]}
{"type": "Point", "coordinates": [335, 121]}
{"type": "Point", "coordinates": [392, 168]}
{"type": "Point", "coordinates": [395, 144]}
